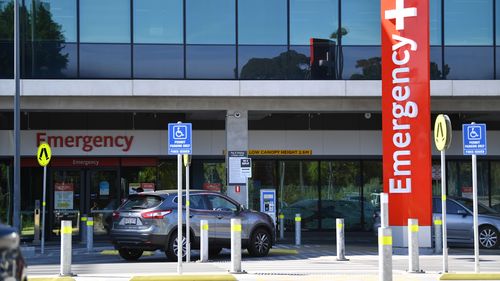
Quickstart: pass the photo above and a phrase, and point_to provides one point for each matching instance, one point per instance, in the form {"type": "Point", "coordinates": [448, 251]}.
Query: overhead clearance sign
{"type": "Point", "coordinates": [406, 110]}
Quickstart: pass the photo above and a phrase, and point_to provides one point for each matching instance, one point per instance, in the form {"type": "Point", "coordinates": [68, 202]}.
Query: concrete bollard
{"type": "Point", "coordinates": [90, 234]}
{"type": "Point", "coordinates": [385, 254]}
{"type": "Point", "coordinates": [204, 241]}
{"type": "Point", "coordinates": [413, 251]}
{"type": "Point", "coordinates": [298, 220]}
{"type": "Point", "coordinates": [66, 233]}
{"type": "Point", "coordinates": [438, 234]}
{"type": "Point", "coordinates": [282, 226]}
{"type": "Point", "coordinates": [236, 246]}
{"type": "Point", "coordinates": [83, 229]}
{"type": "Point", "coordinates": [340, 241]}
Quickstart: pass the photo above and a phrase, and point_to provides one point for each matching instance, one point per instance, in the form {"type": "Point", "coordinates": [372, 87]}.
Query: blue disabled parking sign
{"type": "Point", "coordinates": [179, 138]}
{"type": "Point", "coordinates": [474, 136]}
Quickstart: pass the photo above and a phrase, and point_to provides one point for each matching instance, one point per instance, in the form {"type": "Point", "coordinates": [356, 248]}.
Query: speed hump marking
{"type": "Point", "coordinates": [44, 154]}
{"type": "Point", "coordinates": [442, 132]}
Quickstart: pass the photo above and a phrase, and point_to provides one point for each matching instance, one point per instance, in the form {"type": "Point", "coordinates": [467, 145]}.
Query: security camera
{"type": "Point", "coordinates": [237, 114]}
{"type": "Point", "coordinates": [368, 115]}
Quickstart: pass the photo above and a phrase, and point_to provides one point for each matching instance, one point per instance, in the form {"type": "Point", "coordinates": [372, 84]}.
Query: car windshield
{"type": "Point", "coordinates": [482, 209]}
{"type": "Point", "coordinates": [139, 202]}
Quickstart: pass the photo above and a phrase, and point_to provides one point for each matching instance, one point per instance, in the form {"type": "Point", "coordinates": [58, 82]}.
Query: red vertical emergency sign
{"type": "Point", "coordinates": [406, 112]}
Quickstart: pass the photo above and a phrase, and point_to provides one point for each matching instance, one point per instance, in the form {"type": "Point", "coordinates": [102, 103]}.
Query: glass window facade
{"type": "Point", "coordinates": [105, 21]}
{"type": "Point", "coordinates": [468, 22]}
{"type": "Point", "coordinates": [56, 34]}
{"type": "Point", "coordinates": [5, 188]}
{"type": "Point", "coordinates": [210, 22]}
{"type": "Point", "coordinates": [158, 21]}
{"type": "Point", "coordinates": [262, 22]}
{"type": "Point", "coordinates": [105, 61]}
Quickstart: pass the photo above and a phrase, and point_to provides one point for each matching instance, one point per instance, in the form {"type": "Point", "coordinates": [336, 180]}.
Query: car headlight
{"type": "Point", "coordinates": [9, 241]}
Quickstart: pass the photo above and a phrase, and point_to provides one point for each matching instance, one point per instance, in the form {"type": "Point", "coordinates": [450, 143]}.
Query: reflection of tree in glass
{"type": "Point", "coordinates": [6, 40]}
{"type": "Point", "coordinates": [436, 74]}
{"type": "Point", "coordinates": [371, 69]}
{"type": "Point", "coordinates": [44, 59]}
{"type": "Point", "coordinates": [4, 194]}
{"type": "Point", "coordinates": [287, 64]}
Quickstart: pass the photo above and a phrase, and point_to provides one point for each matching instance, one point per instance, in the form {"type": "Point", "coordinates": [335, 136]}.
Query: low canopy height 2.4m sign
{"type": "Point", "coordinates": [406, 110]}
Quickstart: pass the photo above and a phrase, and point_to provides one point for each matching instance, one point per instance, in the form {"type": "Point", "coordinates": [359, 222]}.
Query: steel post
{"type": "Point", "coordinates": [384, 210]}
{"type": "Point", "coordinates": [179, 214]}
{"type": "Point", "coordinates": [235, 246]}
{"type": "Point", "coordinates": [90, 234]}
{"type": "Point", "coordinates": [438, 234]}
{"type": "Point", "coordinates": [475, 213]}
{"type": "Point", "coordinates": [385, 254]}
{"type": "Point", "coordinates": [413, 251]}
{"type": "Point", "coordinates": [340, 240]}
{"type": "Point", "coordinates": [66, 233]}
{"type": "Point", "coordinates": [298, 220]}
{"type": "Point", "coordinates": [282, 226]}
{"type": "Point", "coordinates": [204, 241]}
{"type": "Point", "coordinates": [83, 227]}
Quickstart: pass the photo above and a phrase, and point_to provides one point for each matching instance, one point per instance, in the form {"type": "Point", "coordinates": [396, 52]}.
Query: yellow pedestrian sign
{"type": "Point", "coordinates": [442, 132]}
{"type": "Point", "coordinates": [44, 154]}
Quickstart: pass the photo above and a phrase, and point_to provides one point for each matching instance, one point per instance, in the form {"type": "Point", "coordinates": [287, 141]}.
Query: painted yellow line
{"type": "Point", "coordinates": [184, 277]}
{"type": "Point", "coordinates": [283, 252]}
{"type": "Point", "coordinates": [115, 253]}
{"type": "Point", "coordinates": [470, 276]}
{"type": "Point", "coordinates": [50, 279]}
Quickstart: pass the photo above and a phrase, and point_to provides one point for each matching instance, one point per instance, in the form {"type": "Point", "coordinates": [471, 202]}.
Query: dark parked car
{"type": "Point", "coordinates": [459, 222]}
{"type": "Point", "coordinates": [148, 221]}
{"type": "Point", "coordinates": [12, 265]}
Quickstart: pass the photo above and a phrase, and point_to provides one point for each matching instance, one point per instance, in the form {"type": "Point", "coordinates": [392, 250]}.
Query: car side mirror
{"type": "Point", "coordinates": [462, 212]}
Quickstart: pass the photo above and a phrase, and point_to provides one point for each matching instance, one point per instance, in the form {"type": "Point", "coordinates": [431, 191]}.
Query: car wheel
{"type": "Point", "coordinates": [488, 237]}
{"type": "Point", "coordinates": [260, 243]}
{"type": "Point", "coordinates": [130, 254]}
{"type": "Point", "coordinates": [172, 247]}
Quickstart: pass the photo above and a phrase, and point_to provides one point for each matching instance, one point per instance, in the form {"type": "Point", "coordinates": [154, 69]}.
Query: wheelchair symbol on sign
{"type": "Point", "coordinates": [474, 132]}
{"type": "Point", "coordinates": [180, 133]}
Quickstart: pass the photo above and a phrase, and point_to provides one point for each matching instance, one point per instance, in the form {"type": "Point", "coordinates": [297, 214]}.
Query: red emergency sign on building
{"type": "Point", "coordinates": [406, 110]}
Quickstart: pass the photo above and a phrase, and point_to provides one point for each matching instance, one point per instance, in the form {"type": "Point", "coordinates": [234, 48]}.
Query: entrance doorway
{"type": "Point", "coordinates": [75, 192]}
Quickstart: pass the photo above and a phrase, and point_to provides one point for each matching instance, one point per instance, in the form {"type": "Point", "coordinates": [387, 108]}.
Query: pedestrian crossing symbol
{"type": "Point", "coordinates": [44, 154]}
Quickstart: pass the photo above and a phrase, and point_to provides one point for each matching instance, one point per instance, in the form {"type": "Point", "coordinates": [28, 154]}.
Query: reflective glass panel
{"type": "Point", "coordinates": [495, 185]}
{"type": "Point", "coordinates": [436, 63]}
{"type": "Point", "coordinates": [158, 21]}
{"type": "Point", "coordinates": [312, 19]}
{"type": "Point", "coordinates": [435, 22]}
{"type": "Point", "coordinates": [459, 180]}
{"type": "Point", "coordinates": [497, 65]}
{"type": "Point", "coordinates": [158, 61]}
{"type": "Point", "coordinates": [341, 194]}
{"type": "Point", "coordinates": [262, 62]}
{"type": "Point", "coordinates": [210, 22]}
{"type": "Point", "coordinates": [105, 21]}
{"type": "Point", "coordinates": [299, 194]}
{"type": "Point", "coordinates": [5, 179]}
{"type": "Point", "coordinates": [372, 186]}
{"type": "Point", "coordinates": [6, 20]}
{"type": "Point", "coordinates": [6, 59]}
{"type": "Point", "coordinates": [262, 22]}
{"type": "Point", "coordinates": [105, 61]}
{"type": "Point", "coordinates": [299, 67]}
{"type": "Point", "coordinates": [469, 63]}
{"type": "Point", "coordinates": [360, 63]}
{"type": "Point", "coordinates": [211, 62]}
{"type": "Point", "coordinates": [361, 22]}
{"type": "Point", "coordinates": [50, 60]}
{"type": "Point", "coordinates": [468, 22]}
{"type": "Point", "coordinates": [55, 20]}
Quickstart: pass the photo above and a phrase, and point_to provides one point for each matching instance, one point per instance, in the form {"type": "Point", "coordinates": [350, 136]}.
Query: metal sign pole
{"type": "Point", "coordinates": [476, 231]}
{"type": "Point", "coordinates": [188, 203]}
{"type": "Point", "coordinates": [443, 211]}
{"type": "Point", "coordinates": [43, 207]}
{"type": "Point", "coordinates": [179, 214]}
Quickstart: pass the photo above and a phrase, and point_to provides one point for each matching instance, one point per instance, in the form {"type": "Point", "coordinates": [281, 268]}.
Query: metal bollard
{"type": "Point", "coordinates": [413, 253]}
{"type": "Point", "coordinates": [66, 233]}
{"type": "Point", "coordinates": [384, 210]}
{"type": "Point", "coordinates": [83, 229]}
{"type": "Point", "coordinates": [298, 220]}
{"type": "Point", "coordinates": [236, 246]}
{"type": "Point", "coordinates": [438, 234]}
{"type": "Point", "coordinates": [204, 241]}
{"type": "Point", "coordinates": [385, 254]}
{"type": "Point", "coordinates": [340, 241]}
{"type": "Point", "coordinates": [90, 234]}
{"type": "Point", "coordinates": [282, 226]}
{"type": "Point", "coordinates": [36, 220]}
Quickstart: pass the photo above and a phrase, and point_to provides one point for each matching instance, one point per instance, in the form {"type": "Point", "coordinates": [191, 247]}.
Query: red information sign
{"type": "Point", "coordinates": [406, 110]}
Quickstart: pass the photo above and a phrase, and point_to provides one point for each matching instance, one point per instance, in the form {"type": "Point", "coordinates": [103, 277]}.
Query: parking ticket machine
{"type": "Point", "coordinates": [268, 202]}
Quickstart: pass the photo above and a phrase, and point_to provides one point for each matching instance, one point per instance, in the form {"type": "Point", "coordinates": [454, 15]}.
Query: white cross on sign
{"type": "Point", "coordinates": [400, 13]}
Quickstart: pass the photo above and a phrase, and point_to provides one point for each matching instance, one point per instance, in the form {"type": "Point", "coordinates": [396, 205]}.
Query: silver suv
{"type": "Point", "coordinates": [148, 221]}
